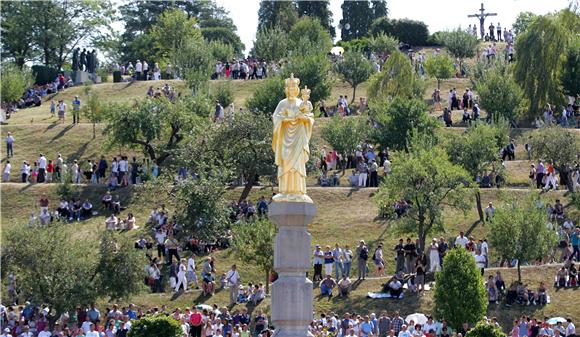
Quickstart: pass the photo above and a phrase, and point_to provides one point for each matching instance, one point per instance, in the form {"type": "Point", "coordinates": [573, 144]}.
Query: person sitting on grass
{"type": "Point", "coordinates": [541, 296]}
{"type": "Point", "coordinates": [112, 222]}
{"type": "Point", "coordinates": [258, 293]}
{"type": "Point", "coordinates": [327, 285]}
{"type": "Point", "coordinates": [561, 278]}
{"type": "Point", "coordinates": [344, 286]}
{"type": "Point", "coordinates": [394, 287]}
{"type": "Point", "coordinates": [87, 209]}
{"type": "Point", "coordinates": [107, 200]}
{"type": "Point", "coordinates": [116, 204]}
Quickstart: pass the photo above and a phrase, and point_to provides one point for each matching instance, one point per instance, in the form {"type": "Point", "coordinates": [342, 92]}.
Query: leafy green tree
{"type": "Point", "coordinates": [174, 30]}
{"type": "Point", "coordinates": [223, 92]}
{"type": "Point", "coordinates": [379, 8]}
{"type": "Point", "coordinates": [511, 227]}
{"type": "Point", "coordinates": [354, 69]}
{"type": "Point", "coordinates": [156, 326]}
{"type": "Point", "coordinates": [271, 44]}
{"type": "Point", "coordinates": [93, 109]}
{"type": "Point", "coordinates": [523, 21]}
{"type": "Point", "coordinates": [397, 78]}
{"type": "Point", "coordinates": [17, 42]}
{"type": "Point", "coordinates": [193, 62]}
{"type": "Point", "coordinates": [345, 134]}
{"type": "Point", "coordinates": [485, 329]}
{"type": "Point", "coordinates": [460, 44]}
{"type": "Point", "coordinates": [14, 81]}
{"type": "Point", "coordinates": [501, 96]}
{"type": "Point", "coordinates": [556, 145]}
{"type": "Point", "coordinates": [539, 48]}
{"type": "Point", "coordinates": [117, 253]}
{"type": "Point", "coordinates": [156, 127]}
{"type": "Point", "coordinates": [440, 67]}
{"type": "Point", "coordinates": [395, 120]}
{"type": "Point", "coordinates": [224, 35]}
{"type": "Point", "coordinates": [459, 293]}
{"type": "Point", "coordinates": [314, 72]}
{"type": "Point", "coordinates": [427, 178]}
{"type": "Point", "coordinates": [282, 14]}
{"type": "Point", "coordinates": [221, 51]}
{"type": "Point", "coordinates": [356, 19]}
{"type": "Point", "coordinates": [383, 43]}
{"type": "Point", "coordinates": [313, 32]}
{"type": "Point", "coordinates": [253, 243]}
{"type": "Point", "coordinates": [571, 72]}
{"type": "Point", "coordinates": [319, 10]}
{"type": "Point", "coordinates": [267, 95]}
{"type": "Point", "coordinates": [477, 149]}
{"type": "Point", "coordinates": [404, 30]}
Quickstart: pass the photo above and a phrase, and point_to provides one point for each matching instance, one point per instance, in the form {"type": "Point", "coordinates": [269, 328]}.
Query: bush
{"type": "Point", "coordinates": [103, 74]}
{"type": "Point", "coordinates": [14, 82]}
{"type": "Point", "coordinates": [314, 72]}
{"type": "Point", "coordinates": [435, 39]}
{"type": "Point", "coordinates": [224, 93]}
{"type": "Point", "coordinates": [117, 77]}
{"type": "Point", "coordinates": [267, 95]}
{"type": "Point", "coordinates": [360, 45]}
{"type": "Point", "coordinates": [459, 293]}
{"type": "Point", "coordinates": [156, 326]}
{"type": "Point", "coordinates": [43, 74]}
{"type": "Point", "coordinates": [484, 329]}
{"type": "Point", "coordinates": [405, 30]}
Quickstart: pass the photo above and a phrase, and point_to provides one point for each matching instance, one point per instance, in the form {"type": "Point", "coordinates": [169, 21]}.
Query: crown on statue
{"type": "Point", "coordinates": [306, 91]}
{"type": "Point", "coordinates": [292, 81]}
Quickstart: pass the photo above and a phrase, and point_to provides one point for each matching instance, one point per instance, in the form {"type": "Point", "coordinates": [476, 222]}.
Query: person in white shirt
{"type": "Point", "coordinates": [570, 329]}
{"type": "Point", "coordinates": [6, 175]}
{"type": "Point", "coordinates": [191, 276]}
{"type": "Point", "coordinates": [489, 212]}
{"type": "Point", "coordinates": [387, 167]}
{"type": "Point", "coordinates": [181, 279]}
{"type": "Point", "coordinates": [233, 281]}
{"type": "Point", "coordinates": [138, 69]}
{"type": "Point", "coordinates": [92, 332]}
{"type": "Point", "coordinates": [25, 171]}
{"type": "Point", "coordinates": [6, 333]}
{"type": "Point", "coordinates": [27, 332]}
{"type": "Point", "coordinates": [145, 70]}
{"type": "Point", "coordinates": [45, 332]}
{"type": "Point", "coordinates": [461, 240]}
{"type": "Point", "coordinates": [86, 326]}
{"type": "Point", "coordinates": [480, 261]}
{"type": "Point", "coordinates": [41, 168]}
{"type": "Point", "coordinates": [484, 250]}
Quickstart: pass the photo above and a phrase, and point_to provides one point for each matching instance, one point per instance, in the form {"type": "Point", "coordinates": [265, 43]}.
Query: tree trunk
{"type": "Point", "coordinates": [519, 272]}
{"type": "Point", "coordinates": [268, 281]}
{"type": "Point", "coordinates": [248, 187]}
{"type": "Point", "coordinates": [438, 83]}
{"type": "Point", "coordinates": [478, 203]}
{"type": "Point", "coordinates": [353, 94]}
{"type": "Point", "coordinates": [94, 131]}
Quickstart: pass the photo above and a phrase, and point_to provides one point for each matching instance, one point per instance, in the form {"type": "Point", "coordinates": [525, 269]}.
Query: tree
{"type": "Point", "coordinates": [174, 30]}
{"type": "Point", "coordinates": [460, 44]}
{"type": "Point", "coordinates": [117, 253]}
{"type": "Point", "coordinates": [379, 8]}
{"type": "Point", "coordinates": [93, 109]}
{"type": "Point", "coordinates": [193, 62]}
{"type": "Point", "coordinates": [356, 19]}
{"type": "Point", "coordinates": [511, 227]}
{"type": "Point", "coordinates": [17, 42]}
{"type": "Point", "coordinates": [426, 177]}
{"type": "Point", "coordinates": [459, 293]}
{"type": "Point", "coordinates": [477, 149]}
{"type": "Point", "coordinates": [223, 92]}
{"type": "Point", "coordinates": [156, 326]}
{"type": "Point", "coordinates": [383, 43]}
{"type": "Point", "coordinates": [266, 97]}
{"type": "Point", "coordinates": [280, 14]}
{"type": "Point", "coordinates": [314, 72]}
{"type": "Point", "coordinates": [355, 69]}
{"type": "Point", "coordinates": [523, 21]}
{"type": "Point", "coordinates": [556, 145]}
{"type": "Point", "coordinates": [485, 329]}
{"type": "Point", "coordinates": [224, 35]}
{"type": "Point", "coordinates": [571, 73]}
{"type": "Point", "coordinates": [397, 78]}
{"type": "Point", "coordinates": [501, 96]}
{"type": "Point", "coordinates": [156, 127]}
{"type": "Point", "coordinates": [318, 10]}
{"type": "Point", "coordinates": [271, 44]}
{"type": "Point", "coordinates": [539, 48]}
{"type": "Point", "coordinates": [405, 30]}
{"type": "Point", "coordinates": [316, 36]}
{"type": "Point", "coordinates": [253, 243]}
{"type": "Point", "coordinates": [221, 51]}
{"type": "Point", "coordinates": [345, 134]}
{"type": "Point", "coordinates": [14, 81]}
{"type": "Point", "coordinates": [439, 66]}
{"type": "Point", "coordinates": [395, 120]}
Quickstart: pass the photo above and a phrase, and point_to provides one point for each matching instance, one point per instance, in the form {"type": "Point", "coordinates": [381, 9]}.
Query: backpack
{"type": "Point", "coordinates": [364, 255]}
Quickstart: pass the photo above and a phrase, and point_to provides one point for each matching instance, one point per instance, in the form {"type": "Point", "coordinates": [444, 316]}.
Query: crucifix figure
{"type": "Point", "coordinates": [481, 18]}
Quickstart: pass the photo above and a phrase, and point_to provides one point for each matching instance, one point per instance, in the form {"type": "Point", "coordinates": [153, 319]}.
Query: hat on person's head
{"type": "Point", "coordinates": [6, 330]}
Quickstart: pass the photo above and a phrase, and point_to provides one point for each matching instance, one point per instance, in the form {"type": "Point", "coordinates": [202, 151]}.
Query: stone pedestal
{"type": "Point", "coordinates": [292, 291]}
{"type": "Point", "coordinates": [81, 77]}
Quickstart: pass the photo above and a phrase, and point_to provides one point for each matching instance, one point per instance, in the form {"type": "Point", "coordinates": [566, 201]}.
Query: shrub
{"type": "Point", "coordinates": [267, 95]}
{"type": "Point", "coordinates": [224, 93]}
{"type": "Point", "coordinates": [117, 77]}
{"type": "Point", "coordinates": [43, 74]}
{"type": "Point", "coordinates": [405, 30]}
{"type": "Point", "coordinates": [14, 82]}
{"type": "Point", "coordinates": [156, 326]}
{"type": "Point", "coordinates": [484, 329]}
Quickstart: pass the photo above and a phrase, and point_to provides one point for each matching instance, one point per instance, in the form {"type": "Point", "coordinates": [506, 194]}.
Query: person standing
{"type": "Point", "coordinates": [191, 275]}
{"type": "Point", "coordinates": [138, 70]}
{"type": "Point", "coordinates": [25, 171]}
{"type": "Point", "coordinates": [318, 262]}
{"type": "Point", "coordinates": [145, 70]}
{"type": "Point", "coordinates": [373, 168]}
{"type": "Point", "coordinates": [49, 171]}
{"type": "Point", "coordinates": [434, 263]}
{"type": "Point", "coordinates": [570, 329]}
{"type": "Point", "coordinates": [498, 29]}
{"type": "Point", "coordinates": [41, 169]}
{"type": "Point", "coordinates": [233, 281]}
{"type": "Point", "coordinates": [540, 171]}
{"type": "Point", "coordinates": [6, 174]}
{"type": "Point", "coordinates": [410, 255]}
{"type": "Point", "coordinates": [338, 261]}
{"type": "Point", "coordinates": [362, 254]}
{"type": "Point", "coordinates": [400, 250]}
{"type": "Point", "coordinates": [61, 110]}
{"type": "Point", "coordinates": [195, 322]}
{"type": "Point", "coordinates": [328, 261]}
{"type": "Point", "coordinates": [9, 145]}
{"type": "Point", "coordinates": [76, 103]}
{"type": "Point", "coordinates": [181, 279]}
{"type": "Point", "coordinates": [58, 167]}
{"type": "Point", "coordinates": [346, 261]}
{"type": "Point", "coordinates": [102, 168]}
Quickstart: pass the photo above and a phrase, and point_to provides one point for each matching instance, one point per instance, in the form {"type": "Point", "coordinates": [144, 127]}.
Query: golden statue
{"type": "Point", "coordinates": [293, 120]}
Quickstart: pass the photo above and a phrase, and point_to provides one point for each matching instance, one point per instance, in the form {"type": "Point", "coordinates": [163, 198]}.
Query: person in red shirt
{"type": "Point", "coordinates": [195, 321]}
{"type": "Point", "coordinates": [49, 171]}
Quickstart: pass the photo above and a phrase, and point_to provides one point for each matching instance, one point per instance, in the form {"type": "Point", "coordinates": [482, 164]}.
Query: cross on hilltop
{"type": "Point", "coordinates": [481, 18]}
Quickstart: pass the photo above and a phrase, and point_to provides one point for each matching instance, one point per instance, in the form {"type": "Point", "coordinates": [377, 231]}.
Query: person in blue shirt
{"type": "Point", "coordinates": [575, 239]}
{"type": "Point", "coordinates": [366, 327]}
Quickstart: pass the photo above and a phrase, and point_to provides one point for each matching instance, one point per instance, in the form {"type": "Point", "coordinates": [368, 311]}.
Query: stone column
{"type": "Point", "coordinates": [292, 291]}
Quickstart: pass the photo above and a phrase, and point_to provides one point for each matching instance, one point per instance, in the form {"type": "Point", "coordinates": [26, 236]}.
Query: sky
{"type": "Point", "coordinates": [437, 14]}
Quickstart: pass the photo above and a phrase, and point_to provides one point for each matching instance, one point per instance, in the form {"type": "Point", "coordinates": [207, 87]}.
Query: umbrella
{"type": "Point", "coordinates": [204, 306]}
{"type": "Point", "coordinates": [555, 320]}
{"type": "Point", "coordinates": [417, 318]}
{"type": "Point", "coordinates": [337, 50]}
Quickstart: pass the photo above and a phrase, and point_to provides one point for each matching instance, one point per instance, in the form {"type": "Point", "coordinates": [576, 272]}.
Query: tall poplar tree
{"type": "Point", "coordinates": [317, 9]}
{"type": "Point", "coordinates": [282, 14]}
{"type": "Point", "coordinates": [356, 19]}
